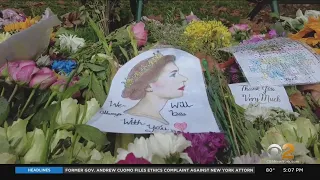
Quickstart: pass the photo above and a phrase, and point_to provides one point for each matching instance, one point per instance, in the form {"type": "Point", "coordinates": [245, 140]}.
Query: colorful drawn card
{"type": "Point", "coordinates": [266, 96]}
{"type": "Point", "coordinates": [279, 61]}
{"type": "Point", "coordinates": [160, 90]}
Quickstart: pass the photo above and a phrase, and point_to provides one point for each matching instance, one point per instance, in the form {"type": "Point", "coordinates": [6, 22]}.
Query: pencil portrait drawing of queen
{"type": "Point", "coordinates": [153, 81]}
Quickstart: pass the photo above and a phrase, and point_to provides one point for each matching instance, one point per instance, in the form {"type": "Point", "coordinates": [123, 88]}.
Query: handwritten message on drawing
{"type": "Point", "coordinates": [161, 90]}
{"type": "Point", "coordinates": [279, 61]}
{"type": "Point", "coordinates": [267, 96]}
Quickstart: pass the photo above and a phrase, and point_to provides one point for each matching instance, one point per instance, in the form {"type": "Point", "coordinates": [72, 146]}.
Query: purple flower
{"type": "Point", "coordinates": [272, 33]}
{"type": "Point", "coordinates": [201, 155]}
{"type": "Point", "coordinates": [254, 39]}
{"type": "Point", "coordinates": [191, 17]}
{"type": "Point", "coordinates": [234, 68]}
{"type": "Point", "coordinates": [10, 16]}
{"type": "Point", "coordinates": [235, 78]}
{"type": "Point", "coordinates": [204, 146]}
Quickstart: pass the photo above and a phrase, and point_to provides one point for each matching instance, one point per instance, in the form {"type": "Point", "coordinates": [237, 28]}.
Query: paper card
{"type": "Point", "coordinates": [267, 96]}
{"type": "Point", "coordinates": [279, 61]}
{"type": "Point", "coordinates": [160, 90]}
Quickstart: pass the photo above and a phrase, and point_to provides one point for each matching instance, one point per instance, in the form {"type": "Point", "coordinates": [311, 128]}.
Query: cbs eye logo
{"type": "Point", "coordinates": [275, 151]}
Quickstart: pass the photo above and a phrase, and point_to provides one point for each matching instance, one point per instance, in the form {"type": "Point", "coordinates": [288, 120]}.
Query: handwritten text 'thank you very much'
{"type": "Point", "coordinates": [264, 95]}
{"type": "Point", "coordinates": [267, 96]}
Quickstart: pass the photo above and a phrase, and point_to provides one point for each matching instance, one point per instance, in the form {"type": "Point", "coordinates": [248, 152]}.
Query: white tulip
{"type": "Point", "coordinates": [68, 112]}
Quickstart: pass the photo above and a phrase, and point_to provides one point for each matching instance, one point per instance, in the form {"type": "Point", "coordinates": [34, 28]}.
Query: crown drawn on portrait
{"type": "Point", "coordinates": [143, 69]}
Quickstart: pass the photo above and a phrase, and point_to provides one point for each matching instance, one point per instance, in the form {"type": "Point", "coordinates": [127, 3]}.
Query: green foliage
{"type": "Point", "coordinates": [91, 134]}
{"type": "Point", "coordinates": [170, 34]}
{"type": "Point", "coordinates": [4, 110]}
{"type": "Point", "coordinates": [42, 116]}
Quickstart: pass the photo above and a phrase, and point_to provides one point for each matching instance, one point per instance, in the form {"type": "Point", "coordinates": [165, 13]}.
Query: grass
{"type": "Point", "coordinates": [228, 11]}
{"type": "Point", "coordinates": [37, 7]}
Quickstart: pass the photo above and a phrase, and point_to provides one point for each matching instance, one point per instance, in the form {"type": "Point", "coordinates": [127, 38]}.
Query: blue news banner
{"type": "Point", "coordinates": [132, 169]}
{"type": "Point", "coordinates": [213, 169]}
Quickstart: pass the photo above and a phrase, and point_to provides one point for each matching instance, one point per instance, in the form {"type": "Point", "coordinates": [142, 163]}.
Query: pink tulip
{"type": "Point", "coordinates": [43, 78]}
{"type": "Point", "coordinates": [4, 69]}
{"type": "Point", "coordinates": [140, 33]}
{"type": "Point", "coordinates": [191, 17]}
{"type": "Point", "coordinates": [22, 71]}
{"type": "Point", "coordinates": [239, 27]}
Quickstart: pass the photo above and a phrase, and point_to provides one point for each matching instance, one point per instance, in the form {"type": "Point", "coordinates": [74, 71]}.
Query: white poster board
{"type": "Point", "coordinates": [279, 61]}
{"type": "Point", "coordinates": [266, 96]}
{"type": "Point", "coordinates": [160, 90]}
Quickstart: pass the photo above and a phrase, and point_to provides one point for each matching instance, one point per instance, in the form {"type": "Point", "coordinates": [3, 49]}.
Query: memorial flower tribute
{"type": "Point", "coordinates": [48, 99]}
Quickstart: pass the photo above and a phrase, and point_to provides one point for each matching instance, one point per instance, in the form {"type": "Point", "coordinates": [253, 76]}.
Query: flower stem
{"type": "Point", "coordinates": [27, 103]}
{"type": "Point", "coordinates": [53, 94]}
{"type": "Point", "coordinates": [74, 140]}
{"type": "Point", "coordinates": [13, 92]}
{"type": "Point", "coordinates": [2, 92]}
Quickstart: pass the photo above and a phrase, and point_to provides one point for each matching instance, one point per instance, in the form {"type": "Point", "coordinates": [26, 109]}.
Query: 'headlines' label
{"type": "Point", "coordinates": [39, 170]}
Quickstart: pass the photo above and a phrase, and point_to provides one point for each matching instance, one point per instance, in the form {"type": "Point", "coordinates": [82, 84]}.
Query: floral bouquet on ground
{"type": "Point", "coordinates": [47, 100]}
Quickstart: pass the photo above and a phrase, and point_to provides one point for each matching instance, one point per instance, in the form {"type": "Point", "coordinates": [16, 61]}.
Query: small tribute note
{"type": "Point", "coordinates": [267, 96]}
{"type": "Point", "coordinates": [160, 90]}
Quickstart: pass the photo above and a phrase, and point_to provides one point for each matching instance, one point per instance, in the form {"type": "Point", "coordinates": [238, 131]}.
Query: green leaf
{"type": "Point", "coordinates": [80, 68]}
{"type": "Point", "coordinates": [82, 8]}
{"type": "Point", "coordinates": [316, 151]}
{"type": "Point", "coordinates": [124, 52]}
{"type": "Point", "coordinates": [91, 134]}
{"type": "Point", "coordinates": [70, 91]}
{"type": "Point", "coordinates": [274, 15]}
{"type": "Point", "coordinates": [42, 97]}
{"type": "Point", "coordinates": [63, 30]}
{"type": "Point", "coordinates": [63, 159]}
{"type": "Point", "coordinates": [4, 110]}
{"type": "Point", "coordinates": [300, 26]}
{"type": "Point", "coordinates": [118, 17]}
{"type": "Point", "coordinates": [102, 75]}
{"type": "Point", "coordinates": [84, 82]}
{"type": "Point", "coordinates": [69, 127]}
{"type": "Point", "coordinates": [94, 67]}
{"type": "Point", "coordinates": [98, 90]}
{"type": "Point", "coordinates": [43, 115]}
{"type": "Point", "coordinates": [4, 144]}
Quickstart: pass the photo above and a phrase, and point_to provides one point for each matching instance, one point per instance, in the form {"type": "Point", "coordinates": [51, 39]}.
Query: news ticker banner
{"type": "Point", "coordinates": [168, 170]}
{"type": "Point", "coordinates": [136, 170]}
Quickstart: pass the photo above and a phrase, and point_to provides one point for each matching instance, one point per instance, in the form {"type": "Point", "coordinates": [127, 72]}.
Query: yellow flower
{"type": "Point", "coordinates": [52, 36]}
{"type": "Point", "coordinates": [4, 36]}
{"type": "Point", "coordinates": [207, 33]}
{"type": "Point", "coordinates": [19, 26]}
{"type": "Point", "coordinates": [313, 25]}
